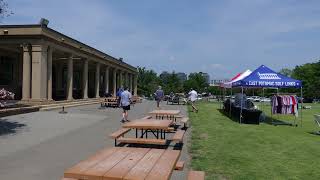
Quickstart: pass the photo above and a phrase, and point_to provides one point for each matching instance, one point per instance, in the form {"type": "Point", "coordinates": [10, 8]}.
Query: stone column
{"type": "Point", "coordinates": [49, 75]}
{"type": "Point", "coordinates": [85, 80]}
{"type": "Point", "coordinates": [39, 72]}
{"type": "Point", "coordinates": [120, 79]}
{"type": "Point", "coordinates": [70, 78]}
{"type": "Point", "coordinates": [131, 82]}
{"type": "Point", "coordinates": [114, 82]}
{"type": "Point", "coordinates": [97, 80]}
{"type": "Point", "coordinates": [135, 91]}
{"type": "Point", "coordinates": [26, 78]}
{"type": "Point", "coordinates": [106, 80]}
{"type": "Point", "coordinates": [126, 79]}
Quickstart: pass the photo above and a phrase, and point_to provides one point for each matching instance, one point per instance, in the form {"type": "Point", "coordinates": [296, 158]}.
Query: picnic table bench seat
{"type": "Point", "coordinates": [118, 134]}
{"type": "Point", "coordinates": [68, 179]}
{"type": "Point", "coordinates": [142, 141]}
{"type": "Point", "coordinates": [179, 166]}
{"type": "Point", "coordinates": [147, 117]}
{"type": "Point", "coordinates": [196, 175]}
{"type": "Point", "coordinates": [178, 136]}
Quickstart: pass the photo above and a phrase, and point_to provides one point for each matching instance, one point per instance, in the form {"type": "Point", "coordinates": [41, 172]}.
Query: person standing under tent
{"type": "Point", "coordinates": [193, 95]}
{"type": "Point", "coordinates": [125, 102]}
{"type": "Point", "coordinates": [159, 94]}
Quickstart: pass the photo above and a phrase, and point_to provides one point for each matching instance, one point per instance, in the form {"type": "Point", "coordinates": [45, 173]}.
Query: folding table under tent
{"type": "Point", "coordinates": [236, 78]}
{"type": "Point", "coordinates": [264, 77]}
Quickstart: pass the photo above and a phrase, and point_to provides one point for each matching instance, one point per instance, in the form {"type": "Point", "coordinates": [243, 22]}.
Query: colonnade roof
{"type": "Point", "coordinates": [36, 30]}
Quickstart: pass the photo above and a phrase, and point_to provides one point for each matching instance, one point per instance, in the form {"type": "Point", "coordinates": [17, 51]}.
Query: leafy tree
{"type": "Point", "coordinates": [215, 90]}
{"type": "Point", "coordinates": [171, 83]}
{"type": "Point", "coordinates": [286, 72]}
{"type": "Point", "coordinates": [148, 81]}
{"type": "Point", "coordinates": [4, 9]}
{"type": "Point", "coordinates": [309, 74]}
{"type": "Point", "coordinates": [196, 81]}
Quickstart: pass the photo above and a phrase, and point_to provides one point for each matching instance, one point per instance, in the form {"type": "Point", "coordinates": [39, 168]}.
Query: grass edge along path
{"type": "Point", "coordinates": [225, 149]}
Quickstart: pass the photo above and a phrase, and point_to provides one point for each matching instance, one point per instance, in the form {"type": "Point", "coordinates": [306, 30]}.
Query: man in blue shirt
{"type": "Point", "coordinates": [118, 94]}
{"type": "Point", "coordinates": [159, 94]}
{"type": "Point", "coordinates": [125, 101]}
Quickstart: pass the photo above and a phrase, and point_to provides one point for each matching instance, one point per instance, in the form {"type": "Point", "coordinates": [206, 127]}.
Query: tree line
{"type": "Point", "coordinates": [148, 82]}
{"type": "Point", "coordinates": [309, 74]}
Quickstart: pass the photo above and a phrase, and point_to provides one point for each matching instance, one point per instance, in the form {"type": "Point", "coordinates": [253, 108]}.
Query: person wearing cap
{"type": "Point", "coordinates": [159, 94]}
{"type": "Point", "coordinates": [193, 95]}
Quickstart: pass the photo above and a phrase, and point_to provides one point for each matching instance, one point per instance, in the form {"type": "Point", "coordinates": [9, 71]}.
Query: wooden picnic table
{"type": "Point", "coordinates": [126, 163]}
{"type": "Point", "coordinates": [162, 113]}
{"type": "Point", "coordinates": [152, 125]}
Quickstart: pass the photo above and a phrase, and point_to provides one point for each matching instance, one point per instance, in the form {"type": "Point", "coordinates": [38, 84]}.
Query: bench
{"type": "Point", "coordinates": [184, 120]}
{"type": "Point", "coordinates": [68, 179]}
{"type": "Point", "coordinates": [147, 117]}
{"type": "Point", "coordinates": [196, 175]}
{"type": "Point", "coordinates": [103, 101]}
{"type": "Point", "coordinates": [178, 136]}
{"type": "Point", "coordinates": [119, 133]}
{"type": "Point", "coordinates": [179, 166]}
{"type": "Point", "coordinates": [142, 141]}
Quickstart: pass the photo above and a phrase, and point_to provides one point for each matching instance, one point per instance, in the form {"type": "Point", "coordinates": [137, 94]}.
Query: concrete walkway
{"type": "Point", "coordinates": [41, 145]}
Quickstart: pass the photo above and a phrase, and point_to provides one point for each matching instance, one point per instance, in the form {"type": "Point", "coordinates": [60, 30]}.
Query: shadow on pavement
{"type": "Point", "coordinates": [7, 127]}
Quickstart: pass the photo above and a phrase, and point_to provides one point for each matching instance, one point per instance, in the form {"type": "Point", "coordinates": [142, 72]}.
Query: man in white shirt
{"type": "Point", "coordinates": [193, 95]}
{"type": "Point", "coordinates": [125, 101]}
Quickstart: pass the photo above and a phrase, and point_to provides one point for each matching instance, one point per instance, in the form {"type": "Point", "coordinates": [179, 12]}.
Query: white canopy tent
{"type": "Point", "coordinates": [236, 78]}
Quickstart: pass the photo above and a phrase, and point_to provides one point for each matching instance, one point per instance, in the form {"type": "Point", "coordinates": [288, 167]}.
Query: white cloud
{"type": "Point", "coordinates": [222, 38]}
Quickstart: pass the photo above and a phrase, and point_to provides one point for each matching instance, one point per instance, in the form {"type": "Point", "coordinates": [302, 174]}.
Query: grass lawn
{"type": "Point", "coordinates": [228, 150]}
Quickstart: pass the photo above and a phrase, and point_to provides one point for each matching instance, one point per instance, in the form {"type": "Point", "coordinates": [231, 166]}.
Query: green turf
{"type": "Point", "coordinates": [225, 149]}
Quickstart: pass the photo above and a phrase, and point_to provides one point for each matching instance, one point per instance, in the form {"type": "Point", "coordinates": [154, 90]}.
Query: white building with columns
{"type": "Point", "coordinates": [38, 63]}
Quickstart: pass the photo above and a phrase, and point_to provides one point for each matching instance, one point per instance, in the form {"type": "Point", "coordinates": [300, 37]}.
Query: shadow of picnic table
{"type": "Point", "coordinates": [8, 127]}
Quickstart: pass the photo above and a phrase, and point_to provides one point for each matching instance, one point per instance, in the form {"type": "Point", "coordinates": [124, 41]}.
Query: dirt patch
{"type": "Point", "coordinates": [204, 136]}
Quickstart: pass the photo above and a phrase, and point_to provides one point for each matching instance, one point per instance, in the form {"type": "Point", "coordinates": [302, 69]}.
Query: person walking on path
{"type": "Point", "coordinates": [193, 95]}
{"type": "Point", "coordinates": [159, 94]}
{"type": "Point", "coordinates": [125, 101]}
{"type": "Point", "coordinates": [118, 96]}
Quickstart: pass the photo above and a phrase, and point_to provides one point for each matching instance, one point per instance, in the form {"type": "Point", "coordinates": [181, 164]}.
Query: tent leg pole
{"type": "Point", "coordinates": [241, 104]}
{"type": "Point", "coordinates": [230, 104]}
{"type": "Point", "coordinates": [301, 106]}
{"type": "Point", "coordinates": [263, 99]}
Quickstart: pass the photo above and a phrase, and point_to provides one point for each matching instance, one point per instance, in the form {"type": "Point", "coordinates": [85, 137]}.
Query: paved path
{"type": "Point", "coordinates": [46, 143]}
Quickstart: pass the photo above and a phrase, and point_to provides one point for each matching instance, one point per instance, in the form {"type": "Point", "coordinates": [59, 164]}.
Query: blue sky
{"type": "Point", "coordinates": [219, 37]}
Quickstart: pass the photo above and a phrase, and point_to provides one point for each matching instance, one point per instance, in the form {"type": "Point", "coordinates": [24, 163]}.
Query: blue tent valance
{"type": "Point", "coordinates": [265, 77]}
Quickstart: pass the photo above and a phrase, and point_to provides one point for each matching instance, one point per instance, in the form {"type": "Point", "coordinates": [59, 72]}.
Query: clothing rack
{"type": "Point", "coordinates": [295, 117]}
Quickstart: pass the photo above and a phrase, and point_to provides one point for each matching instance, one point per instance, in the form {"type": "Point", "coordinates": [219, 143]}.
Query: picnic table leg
{"type": "Point", "coordinates": [141, 133]}
{"type": "Point", "coordinates": [164, 134]}
{"type": "Point", "coordinates": [157, 133]}
{"type": "Point", "coordinates": [147, 134]}
{"type": "Point", "coordinates": [136, 133]}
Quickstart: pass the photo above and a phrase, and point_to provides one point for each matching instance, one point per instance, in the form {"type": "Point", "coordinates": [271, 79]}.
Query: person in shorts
{"type": "Point", "coordinates": [193, 95]}
{"type": "Point", "coordinates": [125, 102]}
{"type": "Point", "coordinates": [159, 94]}
{"type": "Point", "coordinates": [118, 96]}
